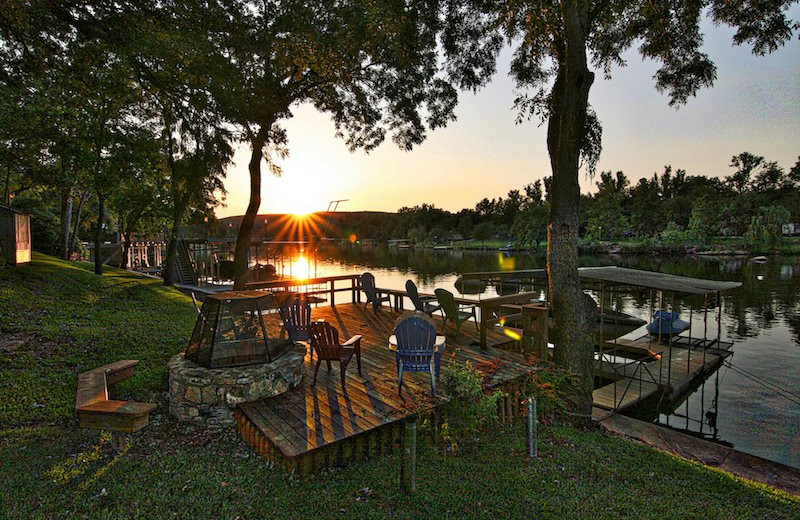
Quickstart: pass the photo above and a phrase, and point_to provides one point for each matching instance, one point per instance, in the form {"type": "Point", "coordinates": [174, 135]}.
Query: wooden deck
{"type": "Point", "coordinates": [315, 426]}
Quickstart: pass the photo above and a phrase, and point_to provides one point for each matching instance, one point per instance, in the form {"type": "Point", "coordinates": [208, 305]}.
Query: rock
{"type": "Point", "coordinates": [193, 394]}
{"type": "Point", "coordinates": [209, 395]}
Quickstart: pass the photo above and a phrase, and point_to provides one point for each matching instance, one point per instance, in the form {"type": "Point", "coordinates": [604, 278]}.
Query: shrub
{"type": "Point", "coordinates": [549, 386]}
{"type": "Point", "coordinates": [468, 410]}
{"type": "Point", "coordinates": [673, 234]}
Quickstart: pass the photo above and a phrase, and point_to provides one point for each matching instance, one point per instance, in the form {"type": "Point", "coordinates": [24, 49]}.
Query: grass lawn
{"type": "Point", "coordinates": [72, 321]}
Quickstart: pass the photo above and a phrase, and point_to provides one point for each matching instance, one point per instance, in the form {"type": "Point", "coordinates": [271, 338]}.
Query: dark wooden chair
{"type": "Point", "coordinates": [453, 312]}
{"type": "Point", "coordinates": [416, 337]}
{"type": "Point", "coordinates": [373, 296]}
{"type": "Point", "coordinates": [421, 303]}
{"type": "Point", "coordinates": [296, 316]}
{"type": "Point", "coordinates": [325, 341]}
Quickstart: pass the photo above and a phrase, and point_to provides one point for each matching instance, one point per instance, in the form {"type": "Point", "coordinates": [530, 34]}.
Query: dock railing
{"type": "Point", "coordinates": [322, 287]}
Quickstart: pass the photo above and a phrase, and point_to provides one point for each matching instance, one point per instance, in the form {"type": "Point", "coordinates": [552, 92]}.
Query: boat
{"type": "Point", "coordinates": [614, 324]}
{"type": "Point", "coordinates": [470, 285]}
{"type": "Point", "coordinates": [666, 324]}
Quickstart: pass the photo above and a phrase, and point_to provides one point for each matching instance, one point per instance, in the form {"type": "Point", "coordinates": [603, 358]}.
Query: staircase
{"type": "Point", "coordinates": [184, 268]}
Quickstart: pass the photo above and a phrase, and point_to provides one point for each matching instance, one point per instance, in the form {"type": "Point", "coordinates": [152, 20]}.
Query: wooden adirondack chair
{"type": "Point", "coordinates": [416, 337]}
{"type": "Point", "coordinates": [455, 313]}
{"type": "Point", "coordinates": [422, 304]}
{"type": "Point", "coordinates": [296, 316]}
{"type": "Point", "coordinates": [325, 341]}
{"type": "Point", "coordinates": [373, 296]}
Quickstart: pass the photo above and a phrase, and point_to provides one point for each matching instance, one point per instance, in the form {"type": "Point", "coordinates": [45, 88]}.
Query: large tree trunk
{"type": "Point", "coordinates": [572, 331]}
{"type": "Point", "coordinates": [169, 266]}
{"type": "Point", "coordinates": [78, 219]}
{"type": "Point", "coordinates": [101, 208]}
{"type": "Point", "coordinates": [243, 238]}
{"type": "Point", "coordinates": [126, 248]}
{"type": "Point", "coordinates": [66, 221]}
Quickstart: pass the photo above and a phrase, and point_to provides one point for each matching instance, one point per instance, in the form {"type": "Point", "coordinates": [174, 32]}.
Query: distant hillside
{"type": "Point", "coordinates": [286, 226]}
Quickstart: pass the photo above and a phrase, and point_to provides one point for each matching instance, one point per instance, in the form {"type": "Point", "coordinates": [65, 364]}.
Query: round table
{"type": "Point", "coordinates": [438, 345]}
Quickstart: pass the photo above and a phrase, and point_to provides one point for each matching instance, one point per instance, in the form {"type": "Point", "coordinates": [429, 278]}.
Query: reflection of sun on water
{"type": "Point", "coordinates": [301, 267]}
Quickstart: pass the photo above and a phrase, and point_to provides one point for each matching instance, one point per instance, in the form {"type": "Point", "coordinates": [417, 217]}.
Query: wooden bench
{"type": "Point", "coordinates": [96, 410]}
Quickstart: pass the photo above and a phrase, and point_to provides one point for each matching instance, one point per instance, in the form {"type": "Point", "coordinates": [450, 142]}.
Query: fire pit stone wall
{"type": "Point", "coordinates": [209, 396]}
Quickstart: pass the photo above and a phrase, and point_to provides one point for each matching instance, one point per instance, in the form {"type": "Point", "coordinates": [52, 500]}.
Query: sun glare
{"type": "Point", "coordinates": [301, 267]}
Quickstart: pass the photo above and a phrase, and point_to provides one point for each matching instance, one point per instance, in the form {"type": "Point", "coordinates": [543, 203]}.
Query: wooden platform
{"type": "Point", "coordinates": [314, 426]}
{"type": "Point", "coordinates": [623, 393]}
{"type": "Point", "coordinates": [674, 370]}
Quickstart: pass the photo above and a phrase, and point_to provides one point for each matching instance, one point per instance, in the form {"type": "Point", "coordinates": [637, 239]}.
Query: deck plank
{"type": "Point", "coordinates": [309, 418]}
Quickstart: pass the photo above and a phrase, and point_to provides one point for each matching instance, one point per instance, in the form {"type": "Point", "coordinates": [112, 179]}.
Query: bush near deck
{"type": "Point", "coordinates": [52, 469]}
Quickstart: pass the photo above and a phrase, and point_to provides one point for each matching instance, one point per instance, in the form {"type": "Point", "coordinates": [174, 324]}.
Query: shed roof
{"type": "Point", "coordinates": [653, 280]}
{"type": "Point", "coordinates": [13, 210]}
{"type": "Point", "coordinates": [622, 276]}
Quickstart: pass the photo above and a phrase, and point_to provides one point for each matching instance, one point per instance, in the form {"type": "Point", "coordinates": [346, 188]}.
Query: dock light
{"type": "Point", "coordinates": [760, 277]}
{"type": "Point", "coordinates": [353, 238]}
{"type": "Point", "coordinates": [512, 334]}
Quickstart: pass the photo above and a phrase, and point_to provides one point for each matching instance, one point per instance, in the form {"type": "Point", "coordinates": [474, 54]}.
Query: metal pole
{"type": "Point", "coordinates": [410, 455]}
{"type": "Point", "coordinates": [705, 326]}
{"type": "Point", "coordinates": [533, 444]}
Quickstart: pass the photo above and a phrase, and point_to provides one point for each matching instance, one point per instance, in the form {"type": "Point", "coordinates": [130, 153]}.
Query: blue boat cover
{"type": "Point", "coordinates": [665, 323]}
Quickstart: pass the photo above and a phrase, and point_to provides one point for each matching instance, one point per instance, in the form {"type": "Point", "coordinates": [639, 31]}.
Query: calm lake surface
{"type": "Point", "coordinates": [762, 318]}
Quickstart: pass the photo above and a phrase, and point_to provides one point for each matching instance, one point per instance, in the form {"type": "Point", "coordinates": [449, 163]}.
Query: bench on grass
{"type": "Point", "coordinates": [94, 407]}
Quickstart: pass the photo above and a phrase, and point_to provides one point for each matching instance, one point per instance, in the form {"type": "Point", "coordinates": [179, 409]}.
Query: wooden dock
{"type": "Point", "coordinates": [310, 427]}
{"type": "Point", "coordinates": [673, 371]}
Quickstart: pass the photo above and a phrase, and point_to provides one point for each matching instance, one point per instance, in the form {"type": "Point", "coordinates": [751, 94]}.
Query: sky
{"type": "Point", "coordinates": [753, 106]}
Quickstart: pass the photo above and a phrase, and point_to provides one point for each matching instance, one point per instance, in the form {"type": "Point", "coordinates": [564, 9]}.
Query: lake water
{"type": "Point", "coordinates": [762, 318]}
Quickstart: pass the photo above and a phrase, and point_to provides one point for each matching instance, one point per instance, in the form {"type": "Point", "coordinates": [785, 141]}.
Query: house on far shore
{"type": "Point", "coordinates": [15, 236]}
{"type": "Point", "coordinates": [790, 229]}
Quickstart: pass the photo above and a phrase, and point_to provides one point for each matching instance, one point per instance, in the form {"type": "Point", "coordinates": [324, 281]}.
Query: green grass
{"type": "Point", "coordinates": [78, 321]}
{"type": "Point", "coordinates": [52, 469]}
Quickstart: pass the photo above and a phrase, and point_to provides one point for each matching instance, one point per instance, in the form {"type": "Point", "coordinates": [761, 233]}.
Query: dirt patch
{"type": "Point", "coordinates": [14, 341]}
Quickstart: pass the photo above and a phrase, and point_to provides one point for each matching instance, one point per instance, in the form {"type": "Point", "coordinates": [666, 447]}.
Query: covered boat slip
{"type": "Point", "coordinates": [631, 370]}
{"type": "Point", "coordinates": [314, 426]}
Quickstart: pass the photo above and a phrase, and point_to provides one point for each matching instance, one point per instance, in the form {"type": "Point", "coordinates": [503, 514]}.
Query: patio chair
{"type": "Point", "coordinates": [325, 341]}
{"type": "Point", "coordinates": [455, 313]}
{"type": "Point", "coordinates": [296, 316]}
{"type": "Point", "coordinates": [416, 337]}
{"type": "Point", "coordinates": [421, 303]}
{"type": "Point", "coordinates": [373, 295]}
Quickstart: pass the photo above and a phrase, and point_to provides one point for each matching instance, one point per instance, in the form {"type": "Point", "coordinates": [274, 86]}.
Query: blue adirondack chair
{"type": "Point", "coordinates": [415, 349]}
{"type": "Point", "coordinates": [373, 296]}
{"type": "Point", "coordinates": [296, 316]}
{"type": "Point", "coordinates": [422, 304]}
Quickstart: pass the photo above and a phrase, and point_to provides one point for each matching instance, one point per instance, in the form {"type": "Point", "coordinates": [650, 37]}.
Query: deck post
{"type": "Point", "coordinates": [533, 448]}
{"type": "Point", "coordinates": [333, 292]}
{"type": "Point", "coordinates": [483, 326]}
{"type": "Point", "coordinates": [408, 463]}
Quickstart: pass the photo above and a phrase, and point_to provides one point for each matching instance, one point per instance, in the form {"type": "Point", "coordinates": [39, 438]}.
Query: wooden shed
{"type": "Point", "coordinates": [15, 236]}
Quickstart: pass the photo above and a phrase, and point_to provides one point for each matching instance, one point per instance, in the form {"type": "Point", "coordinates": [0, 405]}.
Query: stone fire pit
{"type": "Point", "coordinates": [233, 357]}
{"type": "Point", "coordinates": [209, 396]}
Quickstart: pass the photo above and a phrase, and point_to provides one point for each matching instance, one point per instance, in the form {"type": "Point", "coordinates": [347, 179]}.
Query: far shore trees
{"type": "Point", "coordinates": [556, 44]}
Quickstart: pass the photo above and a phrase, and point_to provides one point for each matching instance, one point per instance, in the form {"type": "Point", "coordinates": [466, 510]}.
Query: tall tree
{"type": "Point", "coordinates": [371, 65]}
{"type": "Point", "coordinates": [556, 43]}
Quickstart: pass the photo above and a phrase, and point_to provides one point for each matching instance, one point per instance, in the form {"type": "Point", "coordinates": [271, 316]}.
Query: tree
{"type": "Point", "coordinates": [483, 231]}
{"type": "Point", "coordinates": [372, 66]}
{"type": "Point", "coordinates": [556, 43]}
{"type": "Point", "coordinates": [764, 233]}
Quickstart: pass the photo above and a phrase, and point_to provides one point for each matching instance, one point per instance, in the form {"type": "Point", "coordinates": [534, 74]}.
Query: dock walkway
{"type": "Point", "coordinates": [674, 371]}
